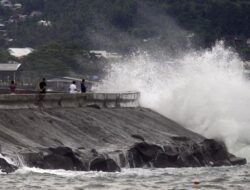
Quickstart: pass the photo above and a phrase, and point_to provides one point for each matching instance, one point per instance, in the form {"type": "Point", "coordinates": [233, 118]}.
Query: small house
{"type": "Point", "coordinates": [44, 23]}
{"type": "Point", "coordinates": [8, 72]}
{"type": "Point", "coordinates": [105, 54]}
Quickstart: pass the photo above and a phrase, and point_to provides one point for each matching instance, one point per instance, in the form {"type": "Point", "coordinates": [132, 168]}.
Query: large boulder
{"type": "Point", "coordinates": [182, 152]}
{"type": "Point", "coordinates": [6, 167]}
{"type": "Point", "coordinates": [55, 158]}
{"type": "Point", "coordinates": [215, 153]}
{"type": "Point", "coordinates": [237, 160]}
{"type": "Point", "coordinates": [179, 155]}
{"type": "Point", "coordinates": [164, 160]}
{"type": "Point", "coordinates": [103, 164]}
{"type": "Point", "coordinates": [142, 154]}
{"type": "Point", "coordinates": [187, 160]}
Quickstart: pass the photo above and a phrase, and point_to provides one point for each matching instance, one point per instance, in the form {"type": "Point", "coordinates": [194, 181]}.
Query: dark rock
{"type": "Point", "coordinates": [86, 155]}
{"type": "Point", "coordinates": [55, 161]}
{"type": "Point", "coordinates": [105, 165]}
{"type": "Point", "coordinates": [190, 154]}
{"type": "Point", "coordinates": [64, 151]}
{"type": "Point", "coordinates": [6, 167]}
{"type": "Point", "coordinates": [215, 152]}
{"type": "Point", "coordinates": [96, 106]}
{"type": "Point", "coordinates": [237, 160]}
{"type": "Point", "coordinates": [33, 159]}
{"type": "Point", "coordinates": [135, 159]}
{"type": "Point", "coordinates": [200, 157]}
{"type": "Point", "coordinates": [142, 154]}
{"type": "Point", "coordinates": [187, 160]}
{"type": "Point", "coordinates": [94, 152]}
{"type": "Point", "coordinates": [170, 150]}
{"type": "Point", "coordinates": [196, 152]}
{"type": "Point", "coordinates": [62, 158]}
{"type": "Point", "coordinates": [138, 137]}
{"type": "Point", "coordinates": [122, 159]}
{"type": "Point", "coordinates": [182, 154]}
{"type": "Point", "coordinates": [164, 160]}
{"type": "Point", "coordinates": [148, 151]}
{"type": "Point", "coordinates": [55, 158]}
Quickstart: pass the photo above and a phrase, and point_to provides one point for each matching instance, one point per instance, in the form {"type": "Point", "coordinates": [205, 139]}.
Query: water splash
{"type": "Point", "coordinates": [8, 160]}
{"type": "Point", "coordinates": [204, 91]}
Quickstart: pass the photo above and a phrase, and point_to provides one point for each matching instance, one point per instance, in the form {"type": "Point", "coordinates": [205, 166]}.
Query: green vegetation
{"type": "Point", "coordinates": [71, 21]}
{"type": "Point", "coordinates": [75, 21]}
{"type": "Point", "coordinates": [4, 56]}
{"type": "Point", "coordinates": [57, 60]}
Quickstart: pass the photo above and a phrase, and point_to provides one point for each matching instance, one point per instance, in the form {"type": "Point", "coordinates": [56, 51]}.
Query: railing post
{"type": "Point", "coordinates": [105, 100]}
{"type": "Point", "coordinates": [117, 101]}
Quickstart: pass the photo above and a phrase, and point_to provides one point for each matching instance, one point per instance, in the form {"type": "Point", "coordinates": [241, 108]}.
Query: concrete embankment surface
{"type": "Point", "coordinates": [104, 139]}
{"type": "Point", "coordinates": [22, 129]}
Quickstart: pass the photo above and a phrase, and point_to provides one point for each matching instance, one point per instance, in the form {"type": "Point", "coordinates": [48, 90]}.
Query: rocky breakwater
{"type": "Point", "coordinates": [103, 139]}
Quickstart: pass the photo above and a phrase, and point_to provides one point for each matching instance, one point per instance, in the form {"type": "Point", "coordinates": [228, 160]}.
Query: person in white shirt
{"type": "Point", "coordinates": [73, 88]}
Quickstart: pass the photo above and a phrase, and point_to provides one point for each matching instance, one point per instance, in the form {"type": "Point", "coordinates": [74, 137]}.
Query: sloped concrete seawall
{"type": "Point", "coordinates": [55, 100]}
{"type": "Point", "coordinates": [99, 132]}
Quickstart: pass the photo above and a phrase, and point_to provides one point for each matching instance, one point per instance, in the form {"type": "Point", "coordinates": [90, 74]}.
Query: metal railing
{"type": "Point", "coordinates": [51, 100]}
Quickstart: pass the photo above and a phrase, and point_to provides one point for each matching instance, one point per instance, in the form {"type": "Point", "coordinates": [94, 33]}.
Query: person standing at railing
{"type": "Point", "coordinates": [42, 92]}
{"type": "Point", "coordinates": [12, 87]}
{"type": "Point", "coordinates": [83, 86]}
{"type": "Point", "coordinates": [73, 88]}
{"type": "Point", "coordinates": [42, 86]}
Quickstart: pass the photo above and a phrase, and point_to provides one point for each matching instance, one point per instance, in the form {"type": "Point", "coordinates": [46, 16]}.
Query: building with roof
{"type": "Point", "coordinates": [8, 71]}
{"type": "Point", "coordinates": [105, 54]}
{"type": "Point", "coordinates": [44, 23]}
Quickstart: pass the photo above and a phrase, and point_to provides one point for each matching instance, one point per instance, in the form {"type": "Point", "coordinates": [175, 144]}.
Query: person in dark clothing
{"type": "Point", "coordinates": [83, 86]}
{"type": "Point", "coordinates": [12, 87]}
{"type": "Point", "coordinates": [42, 92]}
{"type": "Point", "coordinates": [42, 86]}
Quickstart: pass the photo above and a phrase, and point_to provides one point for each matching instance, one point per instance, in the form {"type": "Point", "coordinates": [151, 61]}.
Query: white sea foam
{"type": "Point", "coordinates": [204, 91]}
{"type": "Point", "coordinates": [93, 174]}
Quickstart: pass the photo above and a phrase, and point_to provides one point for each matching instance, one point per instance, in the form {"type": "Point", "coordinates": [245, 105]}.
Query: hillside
{"type": "Point", "coordinates": [97, 24]}
{"type": "Point", "coordinates": [63, 32]}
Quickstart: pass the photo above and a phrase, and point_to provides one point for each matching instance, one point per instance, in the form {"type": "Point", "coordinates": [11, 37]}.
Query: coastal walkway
{"type": "Point", "coordinates": [54, 100]}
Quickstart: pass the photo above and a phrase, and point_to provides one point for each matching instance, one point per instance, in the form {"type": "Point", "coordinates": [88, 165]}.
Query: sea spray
{"type": "Point", "coordinates": [204, 91]}
{"type": "Point", "coordinates": [8, 160]}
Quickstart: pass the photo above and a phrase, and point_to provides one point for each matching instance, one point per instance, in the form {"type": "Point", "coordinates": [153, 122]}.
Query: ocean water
{"type": "Point", "coordinates": [235, 178]}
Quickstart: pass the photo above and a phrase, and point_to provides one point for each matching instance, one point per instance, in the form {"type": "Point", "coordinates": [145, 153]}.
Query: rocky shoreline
{"type": "Point", "coordinates": [103, 139]}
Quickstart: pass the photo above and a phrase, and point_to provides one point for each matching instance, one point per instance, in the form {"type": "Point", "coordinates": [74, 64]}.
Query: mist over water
{"type": "Point", "coordinates": [205, 91]}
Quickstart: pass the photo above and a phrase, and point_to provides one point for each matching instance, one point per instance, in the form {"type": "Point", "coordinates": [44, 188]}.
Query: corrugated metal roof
{"type": "Point", "coordinates": [9, 66]}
